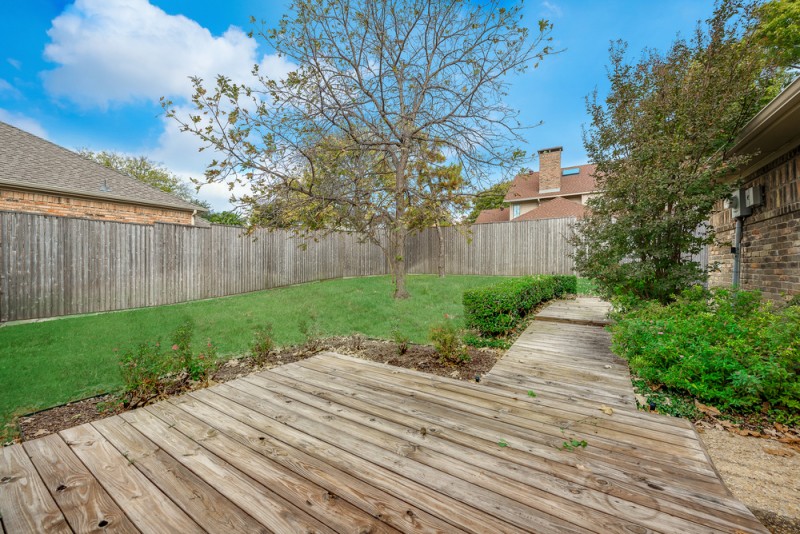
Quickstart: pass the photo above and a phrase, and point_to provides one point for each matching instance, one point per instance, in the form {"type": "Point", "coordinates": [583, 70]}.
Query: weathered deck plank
{"type": "Point", "coordinates": [337, 444]}
{"type": "Point", "coordinates": [28, 506]}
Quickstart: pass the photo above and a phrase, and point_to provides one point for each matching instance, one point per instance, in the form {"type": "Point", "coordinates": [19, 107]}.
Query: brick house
{"type": "Point", "coordinates": [769, 250]}
{"type": "Point", "coordinates": [37, 176]}
{"type": "Point", "coordinates": [552, 192]}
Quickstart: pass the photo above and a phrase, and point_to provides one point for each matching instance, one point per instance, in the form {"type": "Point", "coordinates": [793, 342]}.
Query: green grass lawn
{"type": "Point", "coordinates": [48, 363]}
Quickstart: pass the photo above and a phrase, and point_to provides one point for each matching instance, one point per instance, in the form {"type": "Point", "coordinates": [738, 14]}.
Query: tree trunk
{"type": "Point", "coordinates": [398, 234]}
{"type": "Point", "coordinates": [440, 265]}
{"type": "Point", "coordinates": [399, 264]}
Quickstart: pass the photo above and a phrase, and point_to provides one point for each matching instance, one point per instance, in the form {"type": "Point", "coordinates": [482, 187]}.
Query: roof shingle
{"type": "Point", "coordinates": [526, 186]}
{"type": "Point", "coordinates": [493, 216]}
{"type": "Point", "coordinates": [29, 162]}
{"type": "Point", "coordinates": [556, 208]}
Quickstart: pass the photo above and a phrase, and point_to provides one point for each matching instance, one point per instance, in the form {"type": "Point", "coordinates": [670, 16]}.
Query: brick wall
{"type": "Point", "coordinates": [45, 204]}
{"type": "Point", "coordinates": [770, 236]}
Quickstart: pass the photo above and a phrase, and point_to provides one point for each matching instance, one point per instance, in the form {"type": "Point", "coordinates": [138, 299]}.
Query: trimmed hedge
{"type": "Point", "coordinates": [495, 310]}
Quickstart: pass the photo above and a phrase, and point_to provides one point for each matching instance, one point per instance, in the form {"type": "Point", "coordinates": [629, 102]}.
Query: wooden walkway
{"type": "Point", "coordinates": [336, 444]}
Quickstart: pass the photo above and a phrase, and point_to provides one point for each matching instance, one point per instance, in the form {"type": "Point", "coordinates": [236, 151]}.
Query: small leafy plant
{"type": "Point", "coordinates": [143, 371]}
{"type": "Point", "coordinates": [502, 443]}
{"type": "Point", "coordinates": [262, 344]}
{"type": "Point", "coordinates": [401, 340]}
{"type": "Point", "coordinates": [149, 370]}
{"type": "Point", "coordinates": [531, 393]}
{"type": "Point", "coordinates": [197, 366]}
{"type": "Point", "coordinates": [573, 444]}
{"type": "Point", "coordinates": [446, 339]}
{"type": "Point", "coordinates": [309, 327]}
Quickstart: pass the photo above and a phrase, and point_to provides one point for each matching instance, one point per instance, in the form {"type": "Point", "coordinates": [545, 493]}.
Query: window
{"type": "Point", "coordinates": [515, 211]}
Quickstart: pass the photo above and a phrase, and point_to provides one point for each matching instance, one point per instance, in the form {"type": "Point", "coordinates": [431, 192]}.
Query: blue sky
{"type": "Point", "coordinates": [89, 73]}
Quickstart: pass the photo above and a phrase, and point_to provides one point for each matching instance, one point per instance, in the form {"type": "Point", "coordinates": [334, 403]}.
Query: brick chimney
{"type": "Point", "coordinates": [550, 170]}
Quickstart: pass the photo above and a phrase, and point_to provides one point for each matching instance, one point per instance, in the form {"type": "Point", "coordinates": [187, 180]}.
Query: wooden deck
{"type": "Point", "coordinates": [336, 444]}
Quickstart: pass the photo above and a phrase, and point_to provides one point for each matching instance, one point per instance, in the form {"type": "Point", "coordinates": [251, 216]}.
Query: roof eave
{"type": "Point", "coordinates": [772, 132]}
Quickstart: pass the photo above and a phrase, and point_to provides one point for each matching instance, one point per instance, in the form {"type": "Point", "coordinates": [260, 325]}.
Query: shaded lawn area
{"type": "Point", "coordinates": [52, 362]}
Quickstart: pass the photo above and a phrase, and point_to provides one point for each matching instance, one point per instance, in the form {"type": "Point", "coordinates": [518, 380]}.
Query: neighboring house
{"type": "Point", "coordinates": [551, 193]}
{"type": "Point", "coordinates": [37, 176]}
{"type": "Point", "coordinates": [769, 248]}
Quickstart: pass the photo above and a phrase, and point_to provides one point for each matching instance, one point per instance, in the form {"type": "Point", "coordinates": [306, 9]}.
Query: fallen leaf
{"type": "Point", "coordinates": [789, 439]}
{"type": "Point", "coordinates": [606, 367]}
{"type": "Point", "coordinates": [708, 410]}
{"type": "Point", "coordinates": [40, 432]}
{"type": "Point", "coordinates": [781, 428]}
{"type": "Point", "coordinates": [641, 400]}
{"type": "Point", "coordinates": [778, 452]}
{"type": "Point", "coordinates": [608, 410]}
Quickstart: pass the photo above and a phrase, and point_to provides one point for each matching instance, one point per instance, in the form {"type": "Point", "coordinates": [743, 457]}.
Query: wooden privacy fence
{"type": "Point", "coordinates": [53, 266]}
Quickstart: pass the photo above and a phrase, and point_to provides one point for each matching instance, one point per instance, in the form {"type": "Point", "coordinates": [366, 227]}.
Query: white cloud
{"type": "Point", "coordinates": [6, 87]}
{"type": "Point", "coordinates": [14, 63]}
{"type": "Point", "coordinates": [115, 52]}
{"type": "Point", "coordinates": [120, 51]}
{"type": "Point", "coordinates": [23, 122]}
{"type": "Point", "coordinates": [552, 9]}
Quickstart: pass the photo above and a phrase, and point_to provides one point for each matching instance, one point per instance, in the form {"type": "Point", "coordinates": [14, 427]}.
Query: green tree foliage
{"type": "Point", "coordinates": [659, 142]}
{"type": "Point", "coordinates": [335, 141]}
{"type": "Point", "coordinates": [489, 199]}
{"type": "Point", "coordinates": [778, 31]}
{"type": "Point", "coordinates": [147, 171]}
{"type": "Point", "coordinates": [226, 217]}
{"type": "Point", "coordinates": [439, 196]}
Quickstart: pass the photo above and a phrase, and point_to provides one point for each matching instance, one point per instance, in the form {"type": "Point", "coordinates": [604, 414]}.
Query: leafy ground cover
{"type": "Point", "coordinates": [734, 353]}
{"type": "Point", "coordinates": [47, 363]}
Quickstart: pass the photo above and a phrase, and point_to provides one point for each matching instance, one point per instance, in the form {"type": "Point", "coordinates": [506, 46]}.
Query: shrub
{"type": "Point", "coordinates": [446, 339]}
{"type": "Point", "coordinates": [726, 348]}
{"type": "Point", "coordinates": [182, 345]}
{"type": "Point", "coordinates": [262, 344]}
{"type": "Point", "coordinates": [203, 364]}
{"type": "Point", "coordinates": [197, 366]}
{"type": "Point", "coordinates": [495, 310]}
{"type": "Point", "coordinates": [143, 370]}
{"type": "Point", "coordinates": [148, 371]}
{"type": "Point", "coordinates": [402, 341]}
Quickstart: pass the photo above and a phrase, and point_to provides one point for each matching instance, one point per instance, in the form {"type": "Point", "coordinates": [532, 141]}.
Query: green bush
{"type": "Point", "coordinates": [727, 348]}
{"type": "Point", "coordinates": [495, 310]}
{"type": "Point", "coordinates": [446, 339]}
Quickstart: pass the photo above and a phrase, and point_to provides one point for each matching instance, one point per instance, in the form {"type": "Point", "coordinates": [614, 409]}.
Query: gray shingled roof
{"type": "Point", "coordinates": [29, 162]}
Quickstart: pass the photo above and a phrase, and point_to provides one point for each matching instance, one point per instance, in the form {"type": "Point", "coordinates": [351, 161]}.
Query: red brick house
{"type": "Point", "coordinates": [552, 192]}
{"type": "Point", "coordinates": [37, 176]}
{"type": "Point", "coordinates": [769, 244]}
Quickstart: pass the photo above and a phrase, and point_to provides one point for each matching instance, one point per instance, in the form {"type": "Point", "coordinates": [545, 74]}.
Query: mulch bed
{"type": "Point", "coordinates": [417, 357]}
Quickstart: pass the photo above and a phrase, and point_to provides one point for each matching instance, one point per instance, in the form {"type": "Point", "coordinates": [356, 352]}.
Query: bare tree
{"type": "Point", "coordinates": [374, 81]}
